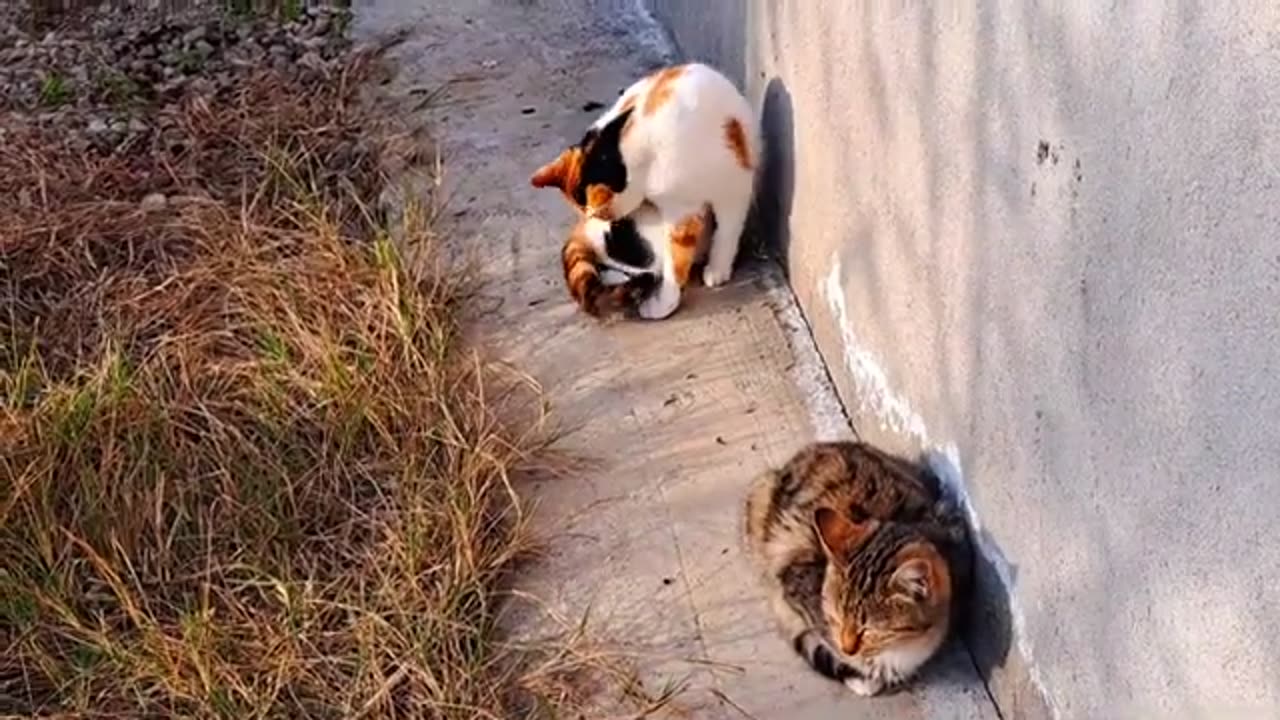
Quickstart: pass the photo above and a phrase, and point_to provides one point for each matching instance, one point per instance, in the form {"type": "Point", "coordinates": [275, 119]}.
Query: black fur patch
{"type": "Point", "coordinates": [640, 287]}
{"type": "Point", "coordinates": [821, 658]}
{"type": "Point", "coordinates": [643, 284]}
{"type": "Point", "coordinates": [623, 244]}
{"type": "Point", "coordinates": [603, 164]}
{"type": "Point", "coordinates": [802, 580]}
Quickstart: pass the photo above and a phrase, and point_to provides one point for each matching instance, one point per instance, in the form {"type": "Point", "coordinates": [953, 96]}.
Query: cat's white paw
{"type": "Point", "coordinates": [715, 277]}
{"type": "Point", "coordinates": [866, 687]}
{"type": "Point", "coordinates": [659, 305]}
{"type": "Point", "coordinates": [610, 277]}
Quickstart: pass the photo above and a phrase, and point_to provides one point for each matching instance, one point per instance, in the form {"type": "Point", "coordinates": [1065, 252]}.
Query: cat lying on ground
{"type": "Point", "coordinates": [862, 560]}
{"type": "Point", "coordinates": [681, 140]}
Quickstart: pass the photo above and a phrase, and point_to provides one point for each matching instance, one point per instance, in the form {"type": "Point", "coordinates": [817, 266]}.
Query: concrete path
{"type": "Point", "coordinates": [675, 416]}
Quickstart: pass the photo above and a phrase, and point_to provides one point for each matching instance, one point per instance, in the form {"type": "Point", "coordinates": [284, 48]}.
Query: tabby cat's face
{"type": "Point", "coordinates": [883, 590]}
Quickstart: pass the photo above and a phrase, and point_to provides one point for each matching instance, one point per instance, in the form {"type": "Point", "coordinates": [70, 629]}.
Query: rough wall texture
{"type": "Point", "coordinates": [1046, 244]}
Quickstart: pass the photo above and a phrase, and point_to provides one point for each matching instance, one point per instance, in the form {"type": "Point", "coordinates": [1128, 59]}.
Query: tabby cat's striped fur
{"type": "Point", "coordinates": [862, 558]}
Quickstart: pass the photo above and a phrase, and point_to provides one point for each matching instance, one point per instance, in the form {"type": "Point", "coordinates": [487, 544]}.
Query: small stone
{"type": "Point", "coordinates": [50, 38]}
{"type": "Point", "coordinates": [194, 35]}
{"type": "Point", "coordinates": [97, 126]}
{"type": "Point", "coordinates": [136, 126]}
{"type": "Point", "coordinates": [154, 202]}
{"type": "Point", "coordinates": [204, 48]}
{"type": "Point", "coordinates": [312, 60]}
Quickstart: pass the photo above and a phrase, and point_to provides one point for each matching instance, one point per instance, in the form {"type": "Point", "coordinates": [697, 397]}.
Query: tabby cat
{"type": "Point", "coordinates": [616, 265]}
{"type": "Point", "coordinates": [862, 558]}
{"type": "Point", "coordinates": [680, 139]}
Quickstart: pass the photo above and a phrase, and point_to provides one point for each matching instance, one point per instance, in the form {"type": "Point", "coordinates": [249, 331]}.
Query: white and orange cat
{"type": "Point", "coordinates": [680, 140]}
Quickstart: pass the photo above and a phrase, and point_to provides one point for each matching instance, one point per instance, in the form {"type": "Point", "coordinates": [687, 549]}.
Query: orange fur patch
{"type": "Point", "coordinates": [737, 139]}
{"type": "Point", "coordinates": [687, 232]}
{"type": "Point", "coordinates": [662, 88]}
{"type": "Point", "coordinates": [851, 639]}
{"type": "Point", "coordinates": [580, 273]}
{"type": "Point", "coordinates": [684, 246]}
{"type": "Point", "coordinates": [598, 198]}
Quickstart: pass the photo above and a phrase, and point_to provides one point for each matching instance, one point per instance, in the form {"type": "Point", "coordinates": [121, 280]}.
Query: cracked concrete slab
{"type": "Point", "coordinates": [675, 416]}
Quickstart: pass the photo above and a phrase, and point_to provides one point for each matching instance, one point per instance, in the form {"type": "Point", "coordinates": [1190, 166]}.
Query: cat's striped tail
{"type": "Point", "coordinates": [582, 277]}
{"type": "Point", "coordinates": [818, 654]}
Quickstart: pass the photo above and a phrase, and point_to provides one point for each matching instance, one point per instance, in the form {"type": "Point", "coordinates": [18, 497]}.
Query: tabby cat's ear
{"type": "Point", "coordinates": [841, 536]}
{"type": "Point", "coordinates": [915, 578]}
{"type": "Point", "coordinates": [553, 173]}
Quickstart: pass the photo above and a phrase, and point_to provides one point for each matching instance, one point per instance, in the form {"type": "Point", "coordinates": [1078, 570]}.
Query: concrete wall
{"type": "Point", "coordinates": [1043, 239]}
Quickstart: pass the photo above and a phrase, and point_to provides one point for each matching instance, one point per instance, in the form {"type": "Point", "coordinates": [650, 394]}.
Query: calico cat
{"type": "Point", "coordinates": [680, 139]}
{"type": "Point", "coordinates": [863, 560]}
{"type": "Point", "coordinates": [616, 265]}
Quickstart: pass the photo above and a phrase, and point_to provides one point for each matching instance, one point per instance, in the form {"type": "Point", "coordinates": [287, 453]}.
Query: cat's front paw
{"type": "Point", "coordinates": [659, 305]}
{"type": "Point", "coordinates": [715, 277]}
{"type": "Point", "coordinates": [866, 687]}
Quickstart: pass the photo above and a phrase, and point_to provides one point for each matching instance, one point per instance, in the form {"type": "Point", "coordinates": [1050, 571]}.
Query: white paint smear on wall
{"type": "Point", "coordinates": [877, 399]}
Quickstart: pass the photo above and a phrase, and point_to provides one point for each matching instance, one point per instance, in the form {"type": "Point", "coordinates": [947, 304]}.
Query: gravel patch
{"type": "Point", "coordinates": [111, 77]}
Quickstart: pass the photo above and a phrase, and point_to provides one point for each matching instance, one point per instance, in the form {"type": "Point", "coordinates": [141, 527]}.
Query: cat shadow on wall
{"type": "Point", "coordinates": [776, 182]}
{"type": "Point", "coordinates": [985, 624]}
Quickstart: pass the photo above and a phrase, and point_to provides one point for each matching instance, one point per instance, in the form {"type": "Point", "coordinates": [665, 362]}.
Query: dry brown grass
{"type": "Point", "coordinates": [245, 469]}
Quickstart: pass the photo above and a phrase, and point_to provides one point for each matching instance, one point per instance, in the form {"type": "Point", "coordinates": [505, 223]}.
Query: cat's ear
{"type": "Point", "coordinates": [841, 536]}
{"type": "Point", "coordinates": [917, 577]}
{"type": "Point", "coordinates": [553, 174]}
